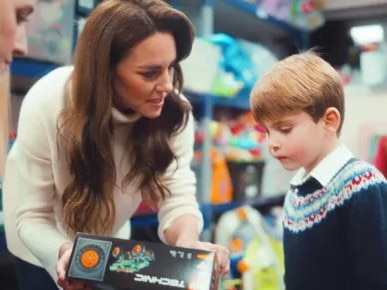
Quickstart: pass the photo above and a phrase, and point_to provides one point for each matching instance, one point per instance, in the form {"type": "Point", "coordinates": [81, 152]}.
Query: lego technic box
{"type": "Point", "coordinates": [131, 265]}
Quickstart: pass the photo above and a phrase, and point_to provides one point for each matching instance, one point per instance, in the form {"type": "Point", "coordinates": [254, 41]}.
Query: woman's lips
{"type": "Point", "coordinates": [5, 63]}
{"type": "Point", "coordinates": [157, 102]}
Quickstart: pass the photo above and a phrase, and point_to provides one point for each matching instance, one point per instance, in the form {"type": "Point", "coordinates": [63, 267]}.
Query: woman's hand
{"type": "Point", "coordinates": [61, 269]}
{"type": "Point", "coordinates": [222, 254]}
{"type": "Point", "coordinates": [184, 232]}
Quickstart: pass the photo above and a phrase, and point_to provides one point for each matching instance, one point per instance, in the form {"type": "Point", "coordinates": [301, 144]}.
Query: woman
{"type": "Point", "coordinates": [4, 100]}
{"type": "Point", "coordinates": [13, 41]}
{"type": "Point", "coordinates": [96, 139]}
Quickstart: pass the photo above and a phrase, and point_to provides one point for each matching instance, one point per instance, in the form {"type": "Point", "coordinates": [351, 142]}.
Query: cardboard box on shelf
{"type": "Point", "coordinates": [131, 264]}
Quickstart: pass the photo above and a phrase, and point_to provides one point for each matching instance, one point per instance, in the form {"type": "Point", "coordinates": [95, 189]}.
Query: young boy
{"type": "Point", "coordinates": [335, 212]}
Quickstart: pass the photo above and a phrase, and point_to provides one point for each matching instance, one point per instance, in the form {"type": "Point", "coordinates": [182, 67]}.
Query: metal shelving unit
{"type": "Point", "coordinates": [249, 7]}
{"type": "Point", "coordinates": [208, 102]}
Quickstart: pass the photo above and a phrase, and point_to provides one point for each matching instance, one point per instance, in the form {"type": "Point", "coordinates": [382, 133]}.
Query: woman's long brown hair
{"type": "Point", "coordinates": [111, 31]}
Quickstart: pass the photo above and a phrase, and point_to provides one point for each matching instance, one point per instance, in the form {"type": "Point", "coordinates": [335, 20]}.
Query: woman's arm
{"type": "Point", "coordinates": [181, 221]}
{"type": "Point", "coordinates": [181, 181]}
{"type": "Point", "coordinates": [35, 146]}
{"type": "Point", "coordinates": [183, 230]}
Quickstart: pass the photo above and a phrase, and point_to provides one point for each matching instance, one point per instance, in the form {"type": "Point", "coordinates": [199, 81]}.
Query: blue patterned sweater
{"type": "Point", "coordinates": [335, 231]}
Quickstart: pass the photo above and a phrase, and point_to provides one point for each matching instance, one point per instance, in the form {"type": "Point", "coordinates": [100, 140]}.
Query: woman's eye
{"type": "Point", "coordinates": [171, 69]}
{"type": "Point", "coordinates": [21, 17]}
{"type": "Point", "coordinates": [22, 13]}
{"type": "Point", "coordinates": [149, 74]}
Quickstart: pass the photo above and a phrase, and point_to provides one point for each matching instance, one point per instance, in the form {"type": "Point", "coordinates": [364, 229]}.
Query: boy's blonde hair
{"type": "Point", "coordinates": [301, 82]}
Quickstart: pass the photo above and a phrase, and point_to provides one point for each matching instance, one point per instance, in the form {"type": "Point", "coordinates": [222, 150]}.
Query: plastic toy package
{"type": "Point", "coordinates": [111, 263]}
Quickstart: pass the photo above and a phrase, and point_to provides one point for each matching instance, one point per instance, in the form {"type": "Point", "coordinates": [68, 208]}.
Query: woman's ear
{"type": "Point", "coordinates": [332, 120]}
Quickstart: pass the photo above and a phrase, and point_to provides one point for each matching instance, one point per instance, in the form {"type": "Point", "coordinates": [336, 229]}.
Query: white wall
{"type": "Point", "coordinates": [364, 108]}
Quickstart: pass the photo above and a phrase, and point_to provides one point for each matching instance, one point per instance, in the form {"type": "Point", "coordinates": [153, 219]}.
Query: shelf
{"type": "Point", "coordinates": [210, 211]}
{"type": "Point", "coordinates": [25, 72]}
{"type": "Point", "coordinates": [261, 203]}
{"type": "Point", "coordinates": [238, 102]}
{"type": "Point", "coordinates": [261, 26]}
{"type": "Point", "coordinates": [30, 68]}
{"type": "Point", "coordinates": [140, 221]}
{"type": "Point", "coordinates": [250, 7]}
{"type": "Point", "coordinates": [265, 202]}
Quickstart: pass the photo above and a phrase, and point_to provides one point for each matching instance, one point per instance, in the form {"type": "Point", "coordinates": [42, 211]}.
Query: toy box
{"type": "Point", "coordinates": [131, 265]}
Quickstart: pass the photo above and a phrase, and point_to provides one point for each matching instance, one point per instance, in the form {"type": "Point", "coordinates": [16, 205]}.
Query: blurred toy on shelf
{"type": "Point", "coordinates": [246, 141]}
{"type": "Point", "coordinates": [240, 138]}
{"type": "Point", "coordinates": [205, 57]}
{"type": "Point", "coordinates": [262, 58]}
{"type": "Point", "coordinates": [236, 69]}
{"type": "Point", "coordinates": [220, 133]}
{"type": "Point", "coordinates": [279, 9]}
{"type": "Point", "coordinates": [246, 179]}
{"type": "Point", "coordinates": [380, 157]}
{"type": "Point", "coordinates": [303, 14]}
{"type": "Point", "coordinates": [307, 14]}
{"type": "Point", "coordinates": [50, 36]}
{"type": "Point", "coordinates": [230, 66]}
{"type": "Point", "coordinates": [226, 85]}
{"type": "Point", "coordinates": [256, 259]}
{"type": "Point", "coordinates": [221, 188]}
{"type": "Point", "coordinates": [236, 156]}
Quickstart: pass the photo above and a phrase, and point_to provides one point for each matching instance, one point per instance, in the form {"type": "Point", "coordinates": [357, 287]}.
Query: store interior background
{"type": "Point", "coordinates": [227, 176]}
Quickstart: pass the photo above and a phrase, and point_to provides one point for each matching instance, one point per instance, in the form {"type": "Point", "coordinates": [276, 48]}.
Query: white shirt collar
{"type": "Point", "coordinates": [326, 169]}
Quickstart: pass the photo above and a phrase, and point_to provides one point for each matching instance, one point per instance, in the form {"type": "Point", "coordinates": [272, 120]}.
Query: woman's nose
{"type": "Point", "coordinates": [166, 83]}
{"type": "Point", "coordinates": [20, 47]}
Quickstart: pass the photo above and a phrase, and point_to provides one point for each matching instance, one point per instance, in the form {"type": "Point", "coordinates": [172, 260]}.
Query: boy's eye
{"type": "Point", "coordinates": [286, 130]}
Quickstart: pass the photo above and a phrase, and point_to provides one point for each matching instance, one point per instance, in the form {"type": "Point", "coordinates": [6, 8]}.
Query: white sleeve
{"type": "Point", "coordinates": [181, 182]}
{"type": "Point", "coordinates": [36, 221]}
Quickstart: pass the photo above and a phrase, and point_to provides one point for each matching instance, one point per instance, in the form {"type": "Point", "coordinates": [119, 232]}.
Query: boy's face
{"type": "Point", "coordinates": [297, 141]}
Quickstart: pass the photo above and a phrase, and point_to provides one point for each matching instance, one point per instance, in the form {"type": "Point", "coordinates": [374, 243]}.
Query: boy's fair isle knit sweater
{"type": "Point", "coordinates": [335, 226]}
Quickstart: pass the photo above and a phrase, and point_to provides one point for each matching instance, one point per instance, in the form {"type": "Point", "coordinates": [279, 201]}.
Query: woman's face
{"type": "Point", "coordinates": [144, 77]}
{"type": "Point", "coordinates": [13, 38]}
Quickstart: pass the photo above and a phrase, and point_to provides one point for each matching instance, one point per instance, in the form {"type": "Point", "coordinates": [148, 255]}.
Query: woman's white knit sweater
{"type": "Point", "coordinates": [37, 174]}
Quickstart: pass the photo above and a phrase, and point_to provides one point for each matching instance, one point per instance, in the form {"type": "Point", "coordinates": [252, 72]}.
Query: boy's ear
{"type": "Point", "coordinates": [332, 119]}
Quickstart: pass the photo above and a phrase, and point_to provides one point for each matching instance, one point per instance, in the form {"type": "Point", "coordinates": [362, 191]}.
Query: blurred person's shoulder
{"type": "Point", "coordinates": [48, 89]}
